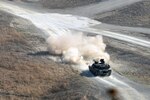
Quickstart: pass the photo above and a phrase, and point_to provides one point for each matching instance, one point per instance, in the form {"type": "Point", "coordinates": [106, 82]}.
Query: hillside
{"type": "Point", "coordinates": [66, 3]}
{"type": "Point", "coordinates": [25, 70]}
{"type": "Point", "coordinates": [137, 15]}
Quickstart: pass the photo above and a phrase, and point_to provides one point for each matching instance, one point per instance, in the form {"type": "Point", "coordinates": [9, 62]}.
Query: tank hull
{"type": "Point", "coordinates": [100, 72]}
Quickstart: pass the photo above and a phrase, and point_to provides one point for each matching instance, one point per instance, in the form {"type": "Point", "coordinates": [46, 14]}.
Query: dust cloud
{"type": "Point", "coordinates": [77, 48]}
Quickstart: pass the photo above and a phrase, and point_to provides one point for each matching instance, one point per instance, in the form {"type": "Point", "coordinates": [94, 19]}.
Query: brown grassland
{"type": "Point", "coordinates": [27, 77]}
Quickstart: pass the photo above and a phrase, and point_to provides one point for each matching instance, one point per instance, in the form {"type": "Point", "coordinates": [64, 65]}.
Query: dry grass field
{"type": "Point", "coordinates": [27, 77]}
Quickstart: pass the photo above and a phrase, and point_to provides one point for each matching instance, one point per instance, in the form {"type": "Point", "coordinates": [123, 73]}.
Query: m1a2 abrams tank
{"type": "Point", "coordinates": [100, 69]}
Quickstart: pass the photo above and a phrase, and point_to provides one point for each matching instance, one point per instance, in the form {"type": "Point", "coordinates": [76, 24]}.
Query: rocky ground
{"type": "Point", "coordinates": [25, 71]}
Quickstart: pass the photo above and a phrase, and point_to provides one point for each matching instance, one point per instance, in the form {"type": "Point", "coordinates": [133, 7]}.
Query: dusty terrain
{"type": "Point", "coordinates": [25, 71]}
{"type": "Point", "coordinates": [137, 15]}
{"type": "Point", "coordinates": [131, 60]}
{"type": "Point", "coordinates": [66, 3]}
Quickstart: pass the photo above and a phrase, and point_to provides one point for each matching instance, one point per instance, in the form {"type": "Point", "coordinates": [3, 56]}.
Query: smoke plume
{"type": "Point", "coordinates": [77, 48]}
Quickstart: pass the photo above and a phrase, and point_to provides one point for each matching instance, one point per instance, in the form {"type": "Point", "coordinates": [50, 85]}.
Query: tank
{"type": "Point", "coordinates": [100, 70]}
